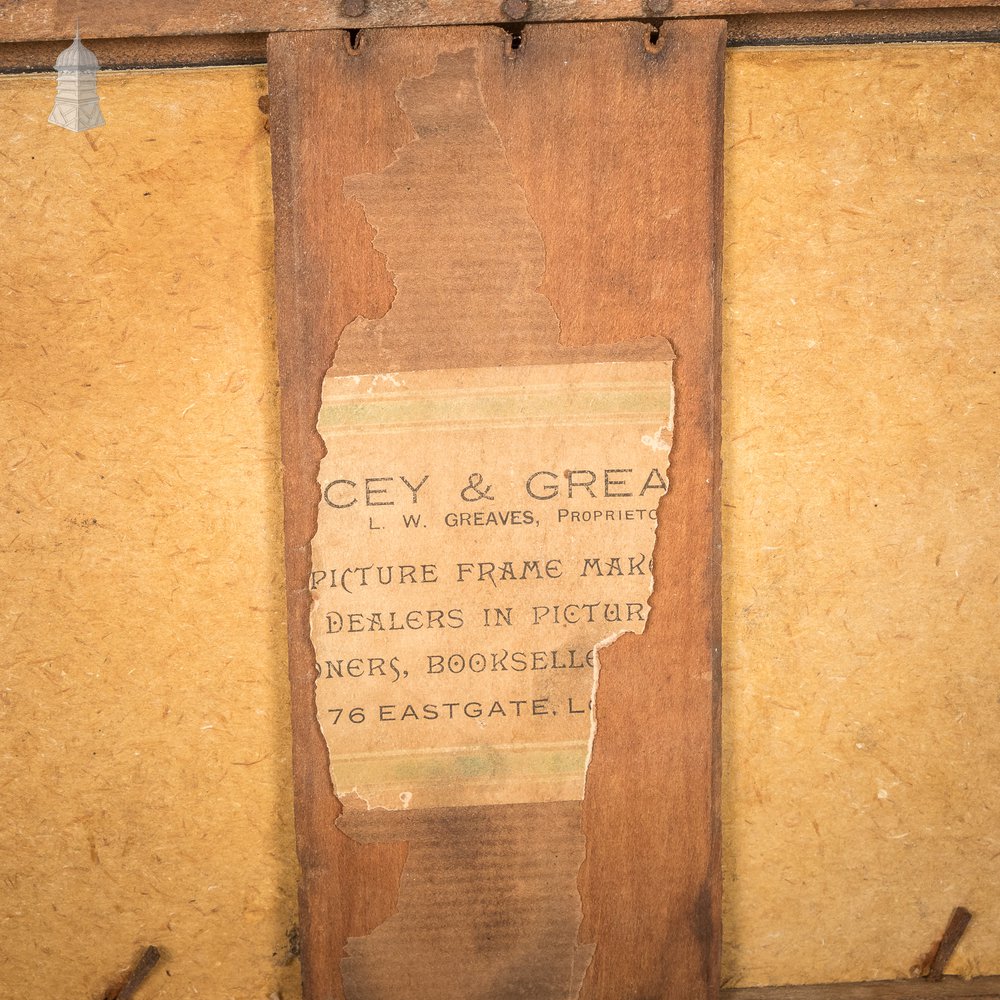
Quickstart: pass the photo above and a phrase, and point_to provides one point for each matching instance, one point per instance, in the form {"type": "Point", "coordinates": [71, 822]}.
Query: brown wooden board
{"type": "Point", "coordinates": [39, 20]}
{"type": "Point", "coordinates": [862, 26]}
{"type": "Point", "coordinates": [951, 988]}
{"type": "Point", "coordinates": [804, 28]}
{"type": "Point", "coordinates": [162, 52]}
{"type": "Point", "coordinates": [615, 141]}
{"type": "Point", "coordinates": [824, 27]}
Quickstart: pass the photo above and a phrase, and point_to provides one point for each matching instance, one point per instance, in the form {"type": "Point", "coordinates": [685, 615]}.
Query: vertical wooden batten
{"type": "Point", "coordinates": [614, 137]}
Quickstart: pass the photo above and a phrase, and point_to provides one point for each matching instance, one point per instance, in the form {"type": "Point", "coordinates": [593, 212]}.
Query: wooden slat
{"type": "Point", "coordinates": [41, 20]}
{"type": "Point", "coordinates": [831, 27]}
{"type": "Point", "coordinates": [621, 170]}
{"type": "Point", "coordinates": [828, 27]}
{"type": "Point", "coordinates": [141, 53]}
{"type": "Point", "coordinates": [950, 988]}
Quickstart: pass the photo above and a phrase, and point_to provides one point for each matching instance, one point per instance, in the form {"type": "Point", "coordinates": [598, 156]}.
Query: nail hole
{"type": "Point", "coordinates": [353, 40]}
{"type": "Point", "coordinates": [653, 40]}
{"type": "Point", "coordinates": [515, 39]}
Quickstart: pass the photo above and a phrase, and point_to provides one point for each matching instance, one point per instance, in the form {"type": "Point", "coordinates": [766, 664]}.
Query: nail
{"type": "Point", "coordinates": [137, 975]}
{"type": "Point", "coordinates": [957, 924]}
{"type": "Point", "coordinates": [515, 10]}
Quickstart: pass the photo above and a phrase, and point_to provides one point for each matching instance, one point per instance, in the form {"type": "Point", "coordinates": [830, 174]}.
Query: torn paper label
{"type": "Point", "coordinates": [481, 532]}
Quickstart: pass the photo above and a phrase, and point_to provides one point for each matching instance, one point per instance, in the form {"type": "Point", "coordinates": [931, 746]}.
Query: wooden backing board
{"type": "Point", "coordinates": [617, 147]}
{"type": "Point", "coordinates": [39, 20]}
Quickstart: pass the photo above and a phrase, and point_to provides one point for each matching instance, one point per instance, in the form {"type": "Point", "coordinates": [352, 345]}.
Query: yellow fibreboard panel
{"type": "Point", "coordinates": [861, 521]}
{"type": "Point", "coordinates": [145, 738]}
{"type": "Point", "coordinates": [145, 732]}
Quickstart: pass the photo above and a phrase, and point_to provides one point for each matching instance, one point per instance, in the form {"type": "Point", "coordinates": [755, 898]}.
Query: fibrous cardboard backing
{"type": "Point", "coordinates": [861, 520]}
{"type": "Point", "coordinates": [145, 744]}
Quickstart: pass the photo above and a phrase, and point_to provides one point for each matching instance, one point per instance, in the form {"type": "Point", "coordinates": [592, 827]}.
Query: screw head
{"type": "Point", "coordinates": [352, 8]}
{"type": "Point", "coordinates": [658, 7]}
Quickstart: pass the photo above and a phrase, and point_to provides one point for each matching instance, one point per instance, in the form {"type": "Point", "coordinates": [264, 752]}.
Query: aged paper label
{"type": "Point", "coordinates": [481, 533]}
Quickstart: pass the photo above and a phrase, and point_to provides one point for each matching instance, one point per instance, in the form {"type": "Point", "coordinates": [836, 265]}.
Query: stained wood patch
{"type": "Point", "coordinates": [613, 143]}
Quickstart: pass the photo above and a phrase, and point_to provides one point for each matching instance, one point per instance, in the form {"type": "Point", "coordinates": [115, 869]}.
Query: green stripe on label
{"type": "Point", "coordinates": [387, 411]}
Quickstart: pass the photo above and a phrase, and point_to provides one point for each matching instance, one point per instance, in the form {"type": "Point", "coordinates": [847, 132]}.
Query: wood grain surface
{"type": "Point", "coordinates": [156, 52]}
{"type": "Point", "coordinates": [39, 20]}
{"type": "Point", "coordinates": [950, 988]}
{"type": "Point", "coordinates": [801, 28]}
{"type": "Point", "coordinates": [822, 27]}
{"type": "Point", "coordinates": [621, 171]}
